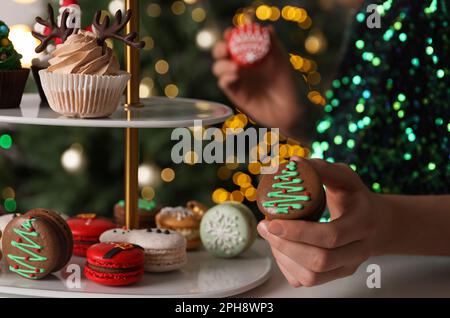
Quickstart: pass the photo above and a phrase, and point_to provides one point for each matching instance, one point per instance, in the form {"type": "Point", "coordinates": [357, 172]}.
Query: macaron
{"type": "Point", "coordinates": [294, 191]}
{"type": "Point", "coordinates": [86, 229]}
{"type": "Point", "coordinates": [228, 229]}
{"type": "Point", "coordinates": [37, 243]}
{"type": "Point", "coordinates": [164, 250]}
{"type": "Point", "coordinates": [248, 44]}
{"type": "Point", "coordinates": [147, 210]}
{"type": "Point", "coordinates": [4, 220]}
{"type": "Point", "coordinates": [183, 220]}
{"type": "Point", "coordinates": [114, 264]}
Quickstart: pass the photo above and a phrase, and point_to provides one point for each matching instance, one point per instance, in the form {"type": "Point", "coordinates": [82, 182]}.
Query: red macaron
{"type": "Point", "coordinates": [114, 264]}
{"type": "Point", "coordinates": [86, 230]}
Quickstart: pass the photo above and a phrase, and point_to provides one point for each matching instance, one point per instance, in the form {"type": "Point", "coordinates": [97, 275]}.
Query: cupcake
{"type": "Point", "coordinates": [84, 79]}
{"type": "Point", "coordinates": [70, 15]}
{"type": "Point", "coordinates": [12, 76]}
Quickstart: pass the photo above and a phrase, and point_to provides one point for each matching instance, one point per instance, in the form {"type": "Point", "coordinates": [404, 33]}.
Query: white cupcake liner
{"type": "Point", "coordinates": [83, 96]}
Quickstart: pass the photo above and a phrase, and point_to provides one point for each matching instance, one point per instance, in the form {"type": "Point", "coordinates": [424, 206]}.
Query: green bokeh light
{"type": "Point", "coordinates": [376, 187]}
{"type": "Point", "coordinates": [10, 205]}
{"type": "Point", "coordinates": [359, 44]}
{"type": "Point", "coordinates": [356, 79]}
{"type": "Point", "coordinates": [350, 143]}
{"type": "Point", "coordinates": [376, 61]}
{"type": "Point", "coordinates": [6, 141]}
{"type": "Point", "coordinates": [352, 127]}
{"type": "Point", "coordinates": [360, 17]}
{"type": "Point", "coordinates": [338, 140]}
{"type": "Point", "coordinates": [359, 108]}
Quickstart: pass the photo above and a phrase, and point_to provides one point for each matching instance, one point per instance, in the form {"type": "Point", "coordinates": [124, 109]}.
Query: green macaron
{"type": "Point", "coordinates": [228, 229]}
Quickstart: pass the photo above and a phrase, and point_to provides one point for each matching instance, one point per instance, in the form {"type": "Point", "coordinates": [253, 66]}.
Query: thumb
{"type": "Point", "coordinates": [336, 176]}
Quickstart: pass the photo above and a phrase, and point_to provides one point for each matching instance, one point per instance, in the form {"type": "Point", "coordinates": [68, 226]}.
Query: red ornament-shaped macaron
{"type": "Point", "coordinates": [248, 44]}
{"type": "Point", "coordinates": [114, 264]}
{"type": "Point", "coordinates": [86, 230]}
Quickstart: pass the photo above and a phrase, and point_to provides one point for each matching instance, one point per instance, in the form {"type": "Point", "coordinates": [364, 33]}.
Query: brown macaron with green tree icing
{"type": "Point", "coordinates": [37, 243]}
{"type": "Point", "coordinates": [294, 191]}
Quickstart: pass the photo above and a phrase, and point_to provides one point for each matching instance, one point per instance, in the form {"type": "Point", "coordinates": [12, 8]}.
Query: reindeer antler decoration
{"type": "Point", "coordinates": [105, 31]}
{"type": "Point", "coordinates": [61, 31]}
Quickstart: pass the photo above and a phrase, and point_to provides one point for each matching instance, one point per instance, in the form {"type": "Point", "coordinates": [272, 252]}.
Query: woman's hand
{"type": "Point", "coordinates": [311, 253]}
{"type": "Point", "coordinates": [266, 92]}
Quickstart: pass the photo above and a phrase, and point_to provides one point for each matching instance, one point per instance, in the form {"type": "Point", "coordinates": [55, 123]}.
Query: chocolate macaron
{"type": "Point", "coordinates": [294, 191]}
{"type": "Point", "coordinates": [37, 243]}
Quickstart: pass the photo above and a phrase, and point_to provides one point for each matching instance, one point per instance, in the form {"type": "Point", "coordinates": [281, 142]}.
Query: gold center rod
{"type": "Point", "coordinates": [132, 134]}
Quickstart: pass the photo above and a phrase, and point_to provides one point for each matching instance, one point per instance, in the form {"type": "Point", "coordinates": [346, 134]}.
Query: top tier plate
{"type": "Point", "coordinates": [157, 112]}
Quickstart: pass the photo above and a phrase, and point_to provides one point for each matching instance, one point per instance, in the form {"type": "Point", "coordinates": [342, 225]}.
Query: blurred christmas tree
{"type": "Point", "coordinates": [388, 111]}
{"type": "Point", "coordinates": [75, 170]}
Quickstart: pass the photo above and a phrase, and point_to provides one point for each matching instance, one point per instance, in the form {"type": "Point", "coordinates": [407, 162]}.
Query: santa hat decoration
{"type": "Point", "coordinates": [248, 44]}
{"type": "Point", "coordinates": [66, 3]}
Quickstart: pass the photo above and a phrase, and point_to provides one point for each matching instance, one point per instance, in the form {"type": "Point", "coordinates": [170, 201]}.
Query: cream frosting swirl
{"type": "Point", "coordinates": [80, 54]}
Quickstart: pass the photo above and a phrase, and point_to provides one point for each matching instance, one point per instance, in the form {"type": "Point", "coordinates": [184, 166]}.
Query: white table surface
{"type": "Point", "coordinates": [401, 276]}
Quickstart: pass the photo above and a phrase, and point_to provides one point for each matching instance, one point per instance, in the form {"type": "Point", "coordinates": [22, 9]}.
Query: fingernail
{"type": "Point", "coordinates": [276, 229]}
{"type": "Point", "coordinates": [262, 229]}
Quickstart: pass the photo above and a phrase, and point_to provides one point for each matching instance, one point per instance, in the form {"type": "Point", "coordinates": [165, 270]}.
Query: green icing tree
{"type": "Point", "coordinates": [9, 58]}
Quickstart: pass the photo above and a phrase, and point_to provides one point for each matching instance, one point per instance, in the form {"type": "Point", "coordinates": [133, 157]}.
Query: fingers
{"type": "Point", "coordinates": [330, 235]}
{"type": "Point", "coordinates": [304, 265]}
{"type": "Point", "coordinates": [297, 275]}
{"type": "Point", "coordinates": [220, 51]}
{"type": "Point", "coordinates": [226, 81]}
{"type": "Point", "coordinates": [337, 176]}
{"type": "Point", "coordinates": [289, 277]}
{"type": "Point", "coordinates": [223, 67]}
{"type": "Point", "coordinates": [315, 258]}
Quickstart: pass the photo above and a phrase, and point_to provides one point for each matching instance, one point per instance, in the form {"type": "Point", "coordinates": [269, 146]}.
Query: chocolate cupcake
{"type": "Point", "coordinates": [294, 191]}
{"type": "Point", "coordinates": [84, 79]}
{"type": "Point", "coordinates": [12, 76]}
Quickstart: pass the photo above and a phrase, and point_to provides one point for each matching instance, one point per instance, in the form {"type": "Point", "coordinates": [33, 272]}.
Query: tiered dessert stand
{"type": "Point", "coordinates": [204, 275]}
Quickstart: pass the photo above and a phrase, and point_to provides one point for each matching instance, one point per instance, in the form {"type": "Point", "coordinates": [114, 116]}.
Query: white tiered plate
{"type": "Point", "coordinates": [203, 276]}
{"type": "Point", "coordinates": [157, 112]}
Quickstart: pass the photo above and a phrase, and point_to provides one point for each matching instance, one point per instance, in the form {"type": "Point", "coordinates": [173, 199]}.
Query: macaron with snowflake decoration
{"type": "Point", "coordinates": [248, 44]}
{"type": "Point", "coordinates": [294, 191]}
{"type": "Point", "coordinates": [228, 229]}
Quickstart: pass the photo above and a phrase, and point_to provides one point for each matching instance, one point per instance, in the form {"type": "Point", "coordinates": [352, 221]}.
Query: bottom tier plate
{"type": "Point", "coordinates": [203, 276]}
